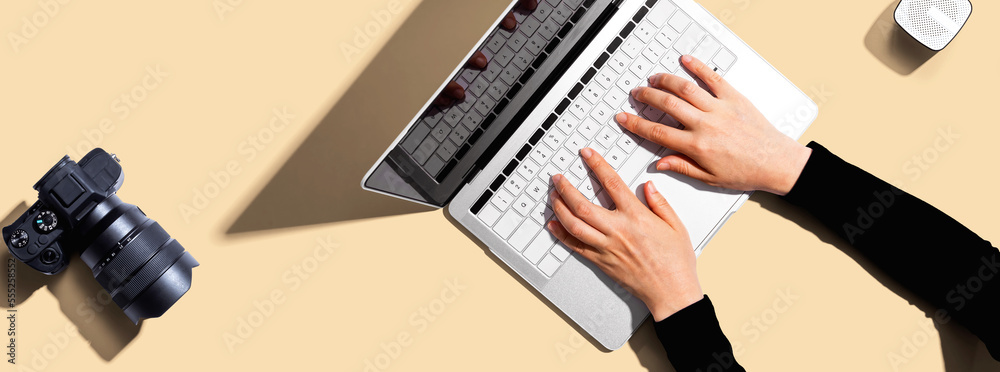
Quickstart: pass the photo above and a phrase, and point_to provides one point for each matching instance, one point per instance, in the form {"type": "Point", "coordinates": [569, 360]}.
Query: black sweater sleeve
{"type": "Point", "coordinates": [695, 342]}
{"type": "Point", "coordinates": [930, 254]}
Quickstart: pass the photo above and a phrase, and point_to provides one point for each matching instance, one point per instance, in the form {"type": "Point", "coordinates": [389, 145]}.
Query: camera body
{"type": "Point", "coordinates": [143, 269]}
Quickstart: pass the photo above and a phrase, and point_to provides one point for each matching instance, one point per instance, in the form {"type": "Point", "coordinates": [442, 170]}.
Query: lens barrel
{"type": "Point", "coordinates": [143, 269]}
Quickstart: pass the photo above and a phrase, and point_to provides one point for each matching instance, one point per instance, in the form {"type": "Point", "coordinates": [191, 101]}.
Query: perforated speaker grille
{"type": "Point", "coordinates": [934, 23]}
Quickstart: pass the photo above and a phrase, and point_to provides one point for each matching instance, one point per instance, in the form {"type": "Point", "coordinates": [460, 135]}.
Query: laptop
{"type": "Point", "coordinates": [551, 87]}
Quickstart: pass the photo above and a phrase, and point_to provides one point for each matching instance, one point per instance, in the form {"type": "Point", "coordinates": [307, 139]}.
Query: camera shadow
{"type": "Point", "coordinates": [84, 302]}
{"type": "Point", "coordinates": [895, 48]}
{"type": "Point", "coordinates": [320, 182]}
{"type": "Point", "coordinates": [962, 351]}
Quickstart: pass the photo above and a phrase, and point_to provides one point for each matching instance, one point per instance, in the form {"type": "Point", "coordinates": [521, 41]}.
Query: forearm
{"type": "Point", "coordinates": [922, 248]}
{"type": "Point", "coordinates": [695, 342]}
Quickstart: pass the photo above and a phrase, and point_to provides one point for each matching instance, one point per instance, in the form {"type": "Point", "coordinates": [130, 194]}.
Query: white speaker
{"type": "Point", "coordinates": [934, 23]}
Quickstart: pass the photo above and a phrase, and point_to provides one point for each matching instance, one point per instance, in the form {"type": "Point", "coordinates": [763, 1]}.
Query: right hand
{"type": "Point", "coordinates": [453, 91]}
{"type": "Point", "coordinates": [725, 142]}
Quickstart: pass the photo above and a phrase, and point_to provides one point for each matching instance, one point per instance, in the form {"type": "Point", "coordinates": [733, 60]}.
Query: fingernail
{"type": "Point", "coordinates": [653, 79]}
{"type": "Point", "coordinates": [481, 61]}
{"type": "Point", "coordinates": [686, 58]}
{"type": "Point", "coordinates": [586, 152]}
{"type": "Point", "coordinates": [621, 118]}
{"type": "Point", "coordinates": [557, 177]}
{"type": "Point", "coordinates": [652, 187]}
{"type": "Point", "coordinates": [635, 91]}
{"type": "Point", "coordinates": [662, 166]}
{"type": "Point", "coordinates": [551, 225]}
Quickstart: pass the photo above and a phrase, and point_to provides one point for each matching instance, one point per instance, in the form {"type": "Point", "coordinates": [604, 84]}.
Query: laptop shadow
{"type": "Point", "coordinates": [88, 308]}
{"type": "Point", "coordinates": [320, 182]}
{"type": "Point", "coordinates": [962, 350]}
{"type": "Point", "coordinates": [895, 48]}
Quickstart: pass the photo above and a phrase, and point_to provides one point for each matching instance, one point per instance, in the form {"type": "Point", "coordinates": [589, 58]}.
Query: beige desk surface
{"type": "Point", "coordinates": [249, 195]}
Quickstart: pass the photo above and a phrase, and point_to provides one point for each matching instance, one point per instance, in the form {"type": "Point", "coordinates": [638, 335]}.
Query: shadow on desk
{"type": "Point", "coordinates": [320, 182]}
{"type": "Point", "coordinates": [963, 351]}
{"type": "Point", "coordinates": [88, 306]}
{"type": "Point", "coordinates": [893, 46]}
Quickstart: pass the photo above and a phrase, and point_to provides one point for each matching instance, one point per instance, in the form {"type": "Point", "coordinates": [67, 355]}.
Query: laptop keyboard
{"type": "Point", "coordinates": [517, 206]}
{"type": "Point", "coordinates": [443, 135]}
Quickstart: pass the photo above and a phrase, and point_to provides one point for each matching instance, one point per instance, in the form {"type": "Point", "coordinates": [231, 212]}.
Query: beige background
{"type": "Point", "coordinates": [231, 63]}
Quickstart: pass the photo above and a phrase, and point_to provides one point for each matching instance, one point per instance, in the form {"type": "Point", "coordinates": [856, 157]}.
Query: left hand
{"type": "Point", "coordinates": [646, 250]}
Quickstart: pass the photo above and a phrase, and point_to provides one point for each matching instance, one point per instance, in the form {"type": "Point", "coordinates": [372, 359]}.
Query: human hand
{"type": "Point", "coordinates": [454, 92]}
{"type": "Point", "coordinates": [725, 141]}
{"type": "Point", "coordinates": [646, 250]}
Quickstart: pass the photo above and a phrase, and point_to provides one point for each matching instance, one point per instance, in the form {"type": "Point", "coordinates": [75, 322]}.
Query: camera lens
{"type": "Point", "coordinates": [143, 269]}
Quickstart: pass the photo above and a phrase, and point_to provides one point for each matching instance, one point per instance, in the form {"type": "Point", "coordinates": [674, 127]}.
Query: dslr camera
{"type": "Point", "coordinates": [143, 269]}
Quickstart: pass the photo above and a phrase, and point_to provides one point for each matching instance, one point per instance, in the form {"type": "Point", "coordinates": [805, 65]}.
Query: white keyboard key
{"type": "Point", "coordinates": [603, 113]}
{"type": "Point", "coordinates": [619, 62]}
{"type": "Point", "coordinates": [523, 235]}
{"type": "Point", "coordinates": [542, 213]}
{"type": "Point", "coordinates": [589, 187]}
{"type": "Point", "coordinates": [472, 120]}
{"type": "Point", "coordinates": [667, 36]}
{"type": "Point", "coordinates": [561, 252]}
{"type": "Point", "coordinates": [575, 143]}
{"type": "Point", "coordinates": [453, 116]}
{"type": "Point", "coordinates": [502, 199]}
{"type": "Point", "coordinates": [536, 44]}
{"type": "Point", "coordinates": [549, 265]}
{"type": "Point", "coordinates": [434, 165]}
{"type": "Point", "coordinates": [607, 137]}
{"type": "Point", "coordinates": [562, 158]}
{"type": "Point", "coordinates": [641, 67]}
{"type": "Point", "coordinates": [660, 13]}
{"type": "Point", "coordinates": [645, 31]}
{"type": "Point", "coordinates": [496, 42]}
{"type": "Point", "coordinates": [606, 77]}
{"type": "Point", "coordinates": [549, 28]}
{"type": "Point", "coordinates": [447, 149]}
{"type": "Point", "coordinates": [593, 93]}
{"type": "Point", "coordinates": [478, 87]}
{"type": "Point", "coordinates": [510, 74]}
{"type": "Point", "coordinates": [567, 123]}
{"type": "Point", "coordinates": [589, 128]}
{"type": "Point", "coordinates": [489, 215]}
{"type": "Point", "coordinates": [529, 26]}
{"type": "Point", "coordinates": [466, 105]}
{"type": "Point", "coordinates": [542, 11]}
{"type": "Point", "coordinates": [541, 154]}
{"type": "Point", "coordinates": [485, 104]}
{"type": "Point", "coordinates": [517, 41]}
{"type": "Point", "coordinates": [537, 189]}
{"type": "Point", "coordinates": [633, 46]}
{"type": "Point", "coordinates": [503, 58]}
{"type": "Point", "coordinates": [497, 90]}
{"type": "Point", "coordinates": [562, 13]}
{"type": "Point", "coordinates": [527, 169]}
{"type": "Point", "coordinates": [679, 21]}
{"type": "Point", "coordinates": [628, 82]}
{"type": "Point", "coordinates": [492, 71]}
{"type": "Point", "coordinates": [515, 184]}
{"type": "Point", "coordinates": [441, 131]}
{"type": "Point", "coordinates": [627, 143]}
{"type": "Point", "coordinates": [470, 74]}
{"type": "Point", "coordinates": [654, 52]}
{"type": "Point", "coordinates": [672, 61]}
{"type": "Point", "coordinates": [651, 113]}
{"type": "Point", "coordinates": [573, 3]}
{"type": "Point", "coordinates": [523, 205]}
{"type": "Point", "coordinates": [707, 49]}
{"type": "Point", "coordinates": [547, 172]}
{"type": "Point", "coordinates": [578, 169]}
{"type": "Point", "coordinates": [724, 59]}
{"type": "Point", "coordinates": [690, 39]}
{"type": "Point", "coordinates": [425, 150]}
{"type": "Point", "coordinates": [580, 108]}
{"type": "Point", "coordinates": [616, 157]}
{"type": "Point", "coordinates": [616, 96]}
{"type": "Point", "coordinates": [416, 136]}
{"type": "Point", "coordinates": [539, 247]}
{"type": "Point", "coordinates": [523, 59]}
{"type": "Point", "coordinates": [554, 139]}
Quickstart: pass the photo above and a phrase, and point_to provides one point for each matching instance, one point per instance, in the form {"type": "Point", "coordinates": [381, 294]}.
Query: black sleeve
{"type": "Point", "coordinates": [695, 342]}
{"type": "Point", "coordinates": [930, 254]}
